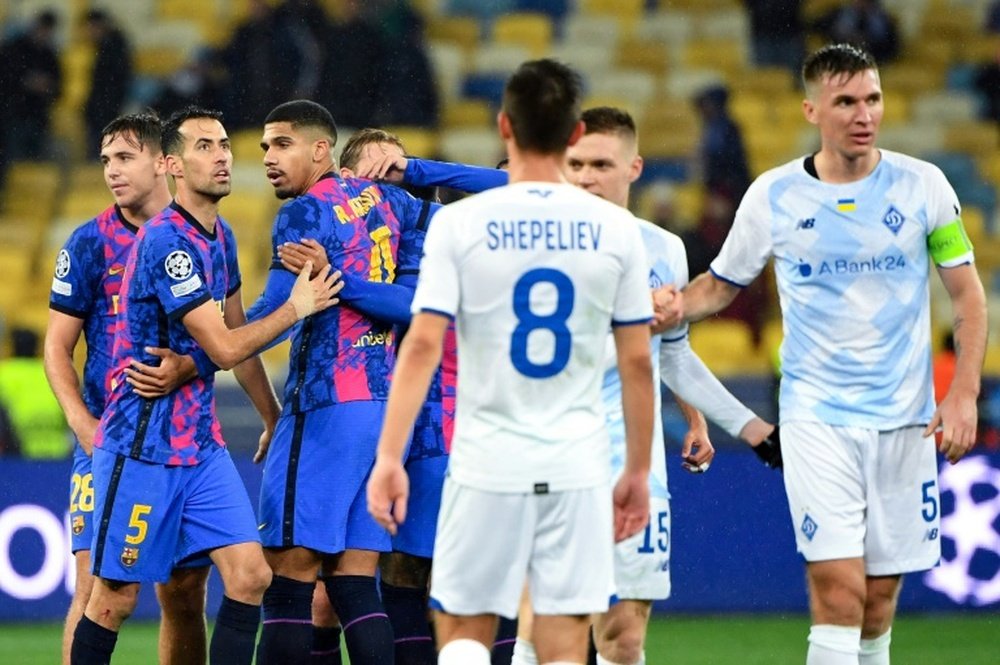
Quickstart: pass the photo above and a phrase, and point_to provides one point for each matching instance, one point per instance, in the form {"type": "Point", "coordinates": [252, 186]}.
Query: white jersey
{"type": "Point", "coordinates": [851, 262]}
{"type": "Point", "coordinates": [533, 274]}
{"type": "Point", "coordinates": [666, 263]}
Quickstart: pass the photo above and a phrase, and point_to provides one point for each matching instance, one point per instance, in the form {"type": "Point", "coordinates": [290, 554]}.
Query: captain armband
{"type": "Point", "coordinates": [949, 242]}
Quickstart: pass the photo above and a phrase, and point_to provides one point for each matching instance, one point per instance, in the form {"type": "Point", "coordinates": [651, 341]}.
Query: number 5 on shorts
{"type": "Point", "coordinates": [139, 511]}
{"type": "Point", "coordinates": [930, 509]}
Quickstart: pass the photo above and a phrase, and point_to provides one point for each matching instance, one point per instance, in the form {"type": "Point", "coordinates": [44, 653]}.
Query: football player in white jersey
{"type": "Point", "coordinates": [534, 274]}
{"type": "Point", "coordinates": [853, 230]}
{"type": "Point", "coordinates": [605, 162]}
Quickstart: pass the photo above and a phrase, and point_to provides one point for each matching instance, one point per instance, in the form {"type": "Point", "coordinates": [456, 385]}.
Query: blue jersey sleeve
{"type": "Point", "coordinates": [175, 273]}
{"type": "Point", "coordinates": [465, 178]}
{"type": "Point", "coordinates": [385, 302]}
{"type": "Point", "coordinates": [78, 271]}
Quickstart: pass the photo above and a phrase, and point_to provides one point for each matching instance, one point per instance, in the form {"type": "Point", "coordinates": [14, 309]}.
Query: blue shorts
{"type": "Point", "coordinates": [313, 491]}
{"type": "Point", "coordinates": [81, 503]}
{"type": "Point", "coordinates": [416, 535]}
{"type": "Point", "coordinates": [152, 516]}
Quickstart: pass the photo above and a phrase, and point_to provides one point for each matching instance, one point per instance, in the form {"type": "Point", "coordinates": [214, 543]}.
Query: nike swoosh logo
{"type": "Point", "coordinates": [115, 271]}
{"type": "Point", "coordinates": [262, 526]}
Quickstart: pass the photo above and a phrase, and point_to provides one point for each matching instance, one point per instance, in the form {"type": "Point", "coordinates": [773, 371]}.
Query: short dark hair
{"type": "Point", "coordinates": [609, 120]}
{"type": "Point", "coordinates": [304, 113]}
{"type": "Point", "coordinates": [172, 140]}
{"type": "Point", "coordinates": [141, 130]}
{"type": "Point", "coordinates": [836, 59]}
{"type": "Point", "coordinates": [351, 154]}
{"type": "Point", "coordinates": [542, 102]}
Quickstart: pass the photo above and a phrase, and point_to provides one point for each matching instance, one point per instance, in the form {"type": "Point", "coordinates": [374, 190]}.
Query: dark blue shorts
{"type": "Point", "coordinates": [416, 535]}
{"type": "Point", "coordinates": [313, 491]}
{"type": "Point", "coordinates": [150, 517]}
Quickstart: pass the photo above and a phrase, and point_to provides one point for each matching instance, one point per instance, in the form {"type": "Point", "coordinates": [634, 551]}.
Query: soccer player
{"type": "Point", "coordinates": [533, 274]}
{"type": "Point", "coordinates": [84, 300]}
{"type": "Point", "coordinates": [852, 230]}
{"type": "Point", "coordinates": [312, 509]}
{"type": "Point", "coordinates": [165, 487]}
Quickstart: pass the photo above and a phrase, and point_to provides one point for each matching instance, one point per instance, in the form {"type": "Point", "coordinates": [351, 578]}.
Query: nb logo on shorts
{"type": "Point", "coordinates": [931, 534]}
{"type": "Point", "coordinates": [809, 527]}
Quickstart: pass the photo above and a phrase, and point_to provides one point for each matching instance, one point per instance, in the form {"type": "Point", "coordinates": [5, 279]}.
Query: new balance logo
{"type": "Point", "coordinates": [806, 223]}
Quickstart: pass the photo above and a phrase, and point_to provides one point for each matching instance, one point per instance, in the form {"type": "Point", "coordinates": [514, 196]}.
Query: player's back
{"type": "Point", "coordinates": [541, 271]}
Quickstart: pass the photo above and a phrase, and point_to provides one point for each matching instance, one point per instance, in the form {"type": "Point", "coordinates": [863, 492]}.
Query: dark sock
{"type": "Point", "coordinates": [92, 644]}
{"type": "Point", "coordinates": [287, 633]}
{"type": "Point", "coordinates": [503, 647]}
{"type": "Point", "coordinates": [235, 633]}
{"type": "Point", "coordinates": [591, 648]}
{"type": "Point", "coordinates": [407, 610]}
{"type": "Point", "coordinates": [365, 623]}
{"type": "Point", "coordinates": [326, 646]}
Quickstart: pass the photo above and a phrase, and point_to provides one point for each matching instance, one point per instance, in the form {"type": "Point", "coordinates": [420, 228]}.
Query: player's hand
{"type": "Point", "coordinates": [769, 450]}
{"type": "Point", "coordinates": [85, 430]}
{"type": "Point", "coordinates": [293, 255]}
{"type": "Point", "coordinates": [957, 417]}
{"type": "Point", "coordinates": [631, 505]}
{"type": "Point", "coordinates": [668, 308]}
{"type": "Point", "coordinates": [697, 451]}
{"type": "Point", "coordinates": [388, 167]}
{"type": "Point", "coordinates": [151, 381]}
{"type": "Point", "coordinates": [263, 444]}
{"type": "Point", "coordinates": [388, 492]}
{"type": "Point", "coordinates": [316, 294]}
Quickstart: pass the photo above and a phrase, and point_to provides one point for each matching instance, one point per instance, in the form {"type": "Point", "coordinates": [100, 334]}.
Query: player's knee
{"type": "Point", "coordinates": [880, 608]}
{"type": "Point", "coordinates": [621, 642]}
{"type": "Point", "coordinates": [839, 604]}
{"type": "Point", "coordinates": [113, 603]}
{"type": "Point", "coordinates": [252, 581]}
{"type": "Point", "coordinates": [405, 570]}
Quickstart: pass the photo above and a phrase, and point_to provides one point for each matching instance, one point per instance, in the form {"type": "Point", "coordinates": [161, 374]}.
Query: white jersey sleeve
{"type": "Point", "coordinates": [632, 302]}
{"type": "Point", "coordinates": [749, 244]}
{"type": "Point", "coordinates": [944, 221]}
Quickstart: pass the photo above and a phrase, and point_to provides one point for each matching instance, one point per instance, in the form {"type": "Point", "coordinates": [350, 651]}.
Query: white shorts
{"type": "Point", "coordinates": [488, 542]}
{"type": "Point", "coordinates": [856, 492]}
{"type": "Point", "coordinates": [642, 562]}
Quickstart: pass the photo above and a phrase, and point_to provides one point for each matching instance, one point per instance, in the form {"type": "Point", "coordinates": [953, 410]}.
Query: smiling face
{"type": "Point", "coordinates": [604, 164]}
{"type": "Point", "coordinates": [847, 108]}
{"type": "Point", "coordinates": [293, 156]}
{"type": "Point", "coordinates": [206, 160]}
{"type": "Point", "coordinates": [131, 171]}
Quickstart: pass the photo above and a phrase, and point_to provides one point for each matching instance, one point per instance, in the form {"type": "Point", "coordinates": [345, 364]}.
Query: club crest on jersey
{"type": "Point", "coordinates": [654, 280]}
{"type": "Point", "coordinates": [178, 264]}
{"type": "Point", "coordinates": [129, 556]}
{"type": "Point", "coordinates": [809, 527]}
{"type": "Point", "coordinates": [62, 264]}
{"type": "Point", "coordinates": [893, 219]}
{"type": "Point", "coordinates": [77, 525]}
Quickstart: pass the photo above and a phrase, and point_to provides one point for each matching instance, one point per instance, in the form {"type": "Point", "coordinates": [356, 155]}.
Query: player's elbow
{"type": "Point", "coordinates": [225, 357]}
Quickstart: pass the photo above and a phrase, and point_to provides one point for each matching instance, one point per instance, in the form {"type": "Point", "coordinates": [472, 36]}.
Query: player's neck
{"type": "Point", "coordinates": [534, 167]}
{"type": "Point", "coordinates": [142, 213]}
{"type": "Point", "coordinates": [835, 167]}
{"type": "Point", "coordinates": [205, 209]}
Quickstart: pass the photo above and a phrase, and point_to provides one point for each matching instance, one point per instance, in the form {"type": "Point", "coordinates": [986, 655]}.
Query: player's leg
{"type": "Point", "coordinates": [245, 576]}
{"type": "Point", "coordinates": [353, 590]}
{"type": "Point", "coordinates": [81, 594]}
{"type": "Point", "coordinates": [111, 603]}
{"type": "Point", "coordinates": [404, 580]}
{"type": "Point", "coordinates": [464, 640]}
{"type": "Point", "coordinates": [561, 639]}
{"type": "Point", "coordinates": [286, 636]}
{"type": "Point", "coordinates": [524, 648]}
{"type": "Point", "coordinates": [620, 633]}
{"type": "Point", "coordinates": [880, 609]}
{"type": "Point", "coordinates": [182, 638]}
{"type": "Point", "coordinates": [836, 603]}
{"type": "Point", "coordinates": [326, 629]}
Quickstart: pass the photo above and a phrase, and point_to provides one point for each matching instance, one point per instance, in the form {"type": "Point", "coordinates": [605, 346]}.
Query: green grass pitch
{"type": "Point", "coordinates": [969, 639]}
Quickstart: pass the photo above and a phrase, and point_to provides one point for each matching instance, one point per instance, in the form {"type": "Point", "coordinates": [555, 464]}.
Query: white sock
{"type": "Point", "coordinates": [833, 645]}
{"type": "Point", "coordinates": [876, 651]}
{"type": "Point", "coordinates": [464, 652]}
{"type": "Point", "coordinates": [524, 653]}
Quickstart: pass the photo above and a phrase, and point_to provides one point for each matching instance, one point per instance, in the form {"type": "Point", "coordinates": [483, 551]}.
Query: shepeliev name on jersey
{"type": "Point", "coordinates": [552, 234]}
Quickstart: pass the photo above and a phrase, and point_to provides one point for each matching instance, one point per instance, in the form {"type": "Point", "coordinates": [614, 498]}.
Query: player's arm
{"type": "Point", "coordinates": [688, 377]}
{"type": "Point", "coordinates": [227, 348]}
{"type": "Point", "coordinates": [173, 370]}
{"type": "Point", "coordinates": [253, 378]}
{"type": "Point", "coordinates": [61, 338]}
{"type": "Point", "coordinates": [707, 294]}
{"type": "Point", "coordinates": [957, 414]}
{"type": "Point", "coordinates": [419, 357]}
{"type": "Point", "coordinates": [430, 173]}
{"type": "Point", "coordinates": [631, 493]}
{"type": "Point", "coordinates": [697, 450]}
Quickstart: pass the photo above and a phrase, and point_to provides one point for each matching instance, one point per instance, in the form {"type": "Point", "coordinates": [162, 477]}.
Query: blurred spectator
{"type": "Point", "coordinates": [30, 81]}
{"type": "Point", "coordinates": [777, 33]}
{"type": "Point", "coordinates": [33, 409]}
{"type": "Point", "coordinates": [252, 59]}
{"type": "Point", "coordinates": [111, 77]}
{"type": "Point", "coordinates": [200, 82]}
{"type": "Point", "coordinates": [303, 29]}
{"type": "Point", "coordinates": [722, 158]}
{"type": "Point", "coordinates": [10, 446]}
{"type": "Point", "coordinates": [944, 367]}
{"type": "Point", "coordinates": [354, 65]}
{"type": "Point", "coordinates": [409, 94]}
{"type": "Point", "coordinates": [992, 23]}
{"type": "Point", "coordinates": [480, 9]}
{"type": "Point", "coordinates": [863, 23]}
{"type": "Point", "coordinates": [987, 85]}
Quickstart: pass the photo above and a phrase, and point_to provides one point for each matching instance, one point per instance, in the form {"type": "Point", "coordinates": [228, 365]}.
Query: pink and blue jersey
{"type": "Point", "coordinates": [88, 278]}
{"type": "Point", "coordinates": [341, 354]}
{"type": "Point", "coordinates": [176, 266]}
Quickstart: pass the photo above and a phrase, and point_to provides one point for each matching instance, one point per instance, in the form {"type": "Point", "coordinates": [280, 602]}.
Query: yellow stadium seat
{"type": "Point", "coordinates": [158, 60]}
{"type": "Point", "coordinates": [245, 144]}
{"type": "Point", "coordinates": [727, 347]}
{"type": "Point", "coordinates": [763, 81]}
{"type": "Point", "coordinates": [84, 203]}
{"type": "Point", "coordinates": [949, 22]}
{"type": "Point", "coordinates": [467, 113]}
{"type": "Point", "coordinates": [460, 30]}
{"type": "Point", "coordinates": [643, 54]}
{"type": "Point", "coordinates": [813, 9]}
{"type": "Point", "coordinates": [529, 29]}
{"type": "Point", "coordinates": [978, 48]}
{"type": "Point", "coordinates": [702, 6]}
{"type": "Point", "coordinates": [627, 10]}
{"type": "Point", "coordinates": [725, 56]}
{"type": "Point", "coordinates": [976, 138]}
{"type": "Point", "coordinates": [910, 79]}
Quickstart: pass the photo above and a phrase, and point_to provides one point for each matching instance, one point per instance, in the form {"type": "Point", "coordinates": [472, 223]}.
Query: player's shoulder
{"type": "Point", "coordinates": [98, 225]}
{"type": "Point", "coordinates": [909, 164]}
{"type": "Point", "coordinates": [794, 168]}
